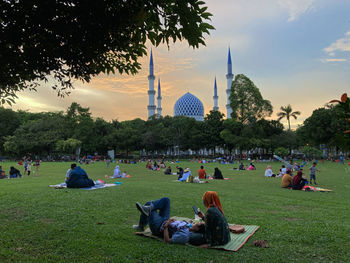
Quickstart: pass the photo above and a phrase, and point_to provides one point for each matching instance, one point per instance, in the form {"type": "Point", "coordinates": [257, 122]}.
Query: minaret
{"type": "Point", "coordinates": [151, 92]}
{"type": "Point", "coordinates": [216, 107]}
{"type": "Point", "coordinates": [159, 100]}
{"type": "Point", "coordinates": [229, 77]}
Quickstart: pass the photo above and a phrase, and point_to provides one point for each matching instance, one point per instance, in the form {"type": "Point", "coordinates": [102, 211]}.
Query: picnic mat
{"type": "Point", "coordinates": [315, 189]}
{"type": "Point", "coordinates": [200, 182]}
{"type": "Point", "coordinates": [211, 178]}
{"type": "Point", "coordinates": [237, 240]}
{"type": "Point", "coordinates": [97, 186]}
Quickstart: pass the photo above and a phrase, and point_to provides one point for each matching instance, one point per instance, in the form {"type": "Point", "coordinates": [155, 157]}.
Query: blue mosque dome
{"type": "Point", "coordinates": [190, 106]}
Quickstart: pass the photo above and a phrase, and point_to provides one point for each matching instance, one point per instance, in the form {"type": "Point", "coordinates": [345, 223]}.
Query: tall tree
{"type": "Point", "coordinates": [39, 136]}
{"type": "Point", "coordinates": [213, 125]}
{"type": "Point", "coordinates": [246, 101]}
{"type": "Point", "coordinates": [287, 112]}
{"type": "Point", "coordinates": [10, 122]}
{"type": "Point", "coordinates": [74, 39]}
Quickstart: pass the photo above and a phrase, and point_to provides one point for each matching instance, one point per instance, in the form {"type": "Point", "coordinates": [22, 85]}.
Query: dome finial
{"type": "Point", "coordinates": [229, 62]}
{"type": "Point", "coordinates": [151, 64]}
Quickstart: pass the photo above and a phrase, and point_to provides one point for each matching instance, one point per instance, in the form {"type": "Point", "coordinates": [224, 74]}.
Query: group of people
{"type": "Point", "coordinates": [213, 230]}
{"type": "Point", "coordinates": [118, 174]}
{"type": "Point", "coordinates": [250, 167]}
{"type": "Point", "coordinates": [183, 175]}
{"type": "Point", "coordinates": [27, 162]}
{"type": "Point", "coordinates": [155, 166]}
{"type": "Point", "coordinates": [297, 182]}
{"type": "Point", "coordinates": [13, 173]}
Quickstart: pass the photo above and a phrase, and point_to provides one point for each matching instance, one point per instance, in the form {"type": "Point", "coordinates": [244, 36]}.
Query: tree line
{"type": "Point", "coordinates": [57, 133]}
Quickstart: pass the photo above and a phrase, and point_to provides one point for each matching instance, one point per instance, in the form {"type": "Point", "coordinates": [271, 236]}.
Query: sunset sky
{"type": "Point", "coordinates": [296, 52]}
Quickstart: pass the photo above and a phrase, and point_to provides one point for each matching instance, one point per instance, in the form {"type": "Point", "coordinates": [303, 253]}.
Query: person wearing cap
{"type": "Point", "coordinates": [187, 173]}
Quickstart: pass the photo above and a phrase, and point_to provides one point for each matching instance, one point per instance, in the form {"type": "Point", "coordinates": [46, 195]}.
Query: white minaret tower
{"type": "Point", "coordinates": [159, 100]}
{"type": "Point", "coordinates": [229, 77]}
{"type": "Point", "coordinates": [216, 107]}
{"type": "Point", "coordinates": [151, 92]}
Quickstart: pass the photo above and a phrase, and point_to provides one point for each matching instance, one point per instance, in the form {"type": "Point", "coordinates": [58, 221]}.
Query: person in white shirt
{"type": "Point", "coordinates": [268, 172]}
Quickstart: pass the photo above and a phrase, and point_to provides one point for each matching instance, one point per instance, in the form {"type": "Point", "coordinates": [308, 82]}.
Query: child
{"type": "Point", "coordinates": [313, 171]}
{"type": "Point", "coordinates": [29, 168]}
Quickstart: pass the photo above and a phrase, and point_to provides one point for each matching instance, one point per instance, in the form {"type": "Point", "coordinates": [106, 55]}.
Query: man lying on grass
{"type": "Point", "coordinates": [212, 232]}
{"type": "Point", "coordinates": [160, 223]}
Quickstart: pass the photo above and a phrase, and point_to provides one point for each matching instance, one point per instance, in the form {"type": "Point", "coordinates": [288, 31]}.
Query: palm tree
{"type": "Point", "coordinates": [287, 112]}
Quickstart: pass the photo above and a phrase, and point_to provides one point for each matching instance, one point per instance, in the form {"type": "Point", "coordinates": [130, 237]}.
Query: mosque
{"type": "Point", "coordinates": [188, 104]}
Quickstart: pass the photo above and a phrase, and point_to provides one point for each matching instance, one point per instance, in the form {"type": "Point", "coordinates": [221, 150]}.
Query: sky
{"type": "Point", "coordinates": [295, 51]}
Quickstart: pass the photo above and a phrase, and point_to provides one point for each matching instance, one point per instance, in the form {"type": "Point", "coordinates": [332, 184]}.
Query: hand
{"type": "Point", "coordinates": [204, 246]}
{"type": "Point", "coordinates": [168, 222]}
{"type": "Point", "coordinates": [200, 214]}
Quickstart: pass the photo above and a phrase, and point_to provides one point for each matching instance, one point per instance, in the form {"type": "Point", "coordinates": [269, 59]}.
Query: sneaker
{"type": "Point", "coordinates": [138, 228]}
{"type": "Point", "coordinates": [146, 210]}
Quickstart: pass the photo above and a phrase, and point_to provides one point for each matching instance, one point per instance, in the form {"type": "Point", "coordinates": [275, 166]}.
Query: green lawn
{"type": "Point", "coordinates": [42, 224]}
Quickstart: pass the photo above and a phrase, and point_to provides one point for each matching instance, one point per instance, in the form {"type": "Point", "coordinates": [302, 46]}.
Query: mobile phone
{"type": "Point", "coordinates": [195, 209]}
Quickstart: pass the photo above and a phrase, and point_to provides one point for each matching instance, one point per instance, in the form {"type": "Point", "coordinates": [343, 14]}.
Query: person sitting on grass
{"type": "Point", "coordinates": [283, 171]}
{"type": "Point", "coordinates": [217, 232]}
{"type": "Point", "coordinates": [217, 174]}
{"type": "Point", "coordinates": [296, 167]}
{"type": "Point", "coordinates": [180, 172]}
{"type": "Point", "coordinates": [287, 180]}
{"type": "Point", "coordinates": [268, 172]}
{"type": "Point", "coordinates": [168, 170]}
{"type": "Point", "coordinates": [290, 165]}
{"type": "Point", "coordinates": [298, 181]}
{"type": "Point", "coordinates": [241, 167]}
{"type": "Point", "coordinates": [149, 165]}
{"type": "Point", "coordinates": [185, 175]}
{"type": "Point", "coordinates": [202, 174]}
{"type": "Point", "coordinates": [2, 173]}
{"type": "Point", "coordinates": [156, 214]}
{"type": "Point", "coordinates": [116, 173]}
{"type": "Point", "coordinates": [124, 175]}
{"type": "Point", "coordinates": [14, 173]}
{"type": "Point", "coordinates": [162, 164]}
{"type": "Point", "coordinates": [155, 166]}
{"type": "Point", "coordinates": [251, 167]}
{"type": "Point", "coordinates": [78, 178]}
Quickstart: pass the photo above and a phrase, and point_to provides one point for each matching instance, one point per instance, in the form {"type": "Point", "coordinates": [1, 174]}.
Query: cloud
{"type": "Point", "coordinates": [296, 7]}
{"type": "Point", "coordinates": [334, 60]}
{"type": "Point", "coordinates": [342, 44]}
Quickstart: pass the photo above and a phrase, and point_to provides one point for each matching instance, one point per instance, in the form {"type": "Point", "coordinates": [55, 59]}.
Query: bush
{"type": "Point", "coordinates": [311, 152]}
{"type": "Point", "coordinates": [281, 151]}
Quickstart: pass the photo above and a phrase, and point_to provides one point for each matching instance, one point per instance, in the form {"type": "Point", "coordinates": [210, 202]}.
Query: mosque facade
{"type": "Point", "coordinates": [188, 104]}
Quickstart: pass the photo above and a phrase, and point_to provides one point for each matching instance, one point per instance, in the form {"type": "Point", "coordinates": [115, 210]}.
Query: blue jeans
{"type": "Point", "coordinates": [155, 219]}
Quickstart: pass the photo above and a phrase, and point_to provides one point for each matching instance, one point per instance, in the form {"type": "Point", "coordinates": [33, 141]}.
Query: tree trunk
{"type": "Point", "coordinates": [288, 123]}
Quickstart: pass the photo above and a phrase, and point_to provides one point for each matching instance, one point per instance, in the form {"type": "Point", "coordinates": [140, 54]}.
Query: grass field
{"type": "Point", "coordinates": [42, 224]}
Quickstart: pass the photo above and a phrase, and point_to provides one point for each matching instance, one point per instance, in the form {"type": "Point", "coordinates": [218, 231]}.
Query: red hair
{"type": "Point", "coordinates": [211, 199]}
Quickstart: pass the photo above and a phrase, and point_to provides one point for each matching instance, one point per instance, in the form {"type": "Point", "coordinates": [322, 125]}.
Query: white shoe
{"type": "Point", "coordinates": [138, 228]}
